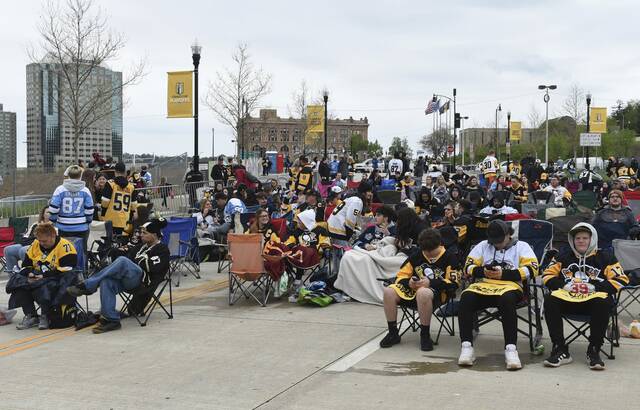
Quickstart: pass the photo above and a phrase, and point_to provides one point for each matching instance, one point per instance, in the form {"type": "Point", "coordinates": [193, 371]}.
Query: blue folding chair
{"type": "Point", "coordinates": [181, 239]}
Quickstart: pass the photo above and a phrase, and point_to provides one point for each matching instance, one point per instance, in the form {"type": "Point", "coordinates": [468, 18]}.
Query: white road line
{"type": "Point", "coordinates": [351, 359]}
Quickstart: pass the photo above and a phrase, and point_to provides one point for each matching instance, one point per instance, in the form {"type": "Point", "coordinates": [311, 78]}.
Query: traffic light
{"type": "Point", "coordinates": [456, 120]}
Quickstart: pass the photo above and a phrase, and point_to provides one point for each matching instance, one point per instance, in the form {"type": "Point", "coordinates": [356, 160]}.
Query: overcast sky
{"type": "Point", "coordinates": [380, 59]}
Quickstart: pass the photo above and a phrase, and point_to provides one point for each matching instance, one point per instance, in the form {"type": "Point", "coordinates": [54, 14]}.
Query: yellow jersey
{"type": "Point", "coordinates": [117, 206]}
{"type": "Point", "coordinates": [61, 258]}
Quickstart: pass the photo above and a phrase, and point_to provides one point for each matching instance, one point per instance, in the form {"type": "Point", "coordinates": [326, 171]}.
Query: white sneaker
{"type": "Point", "coordinates": [467, 357]}
{"type": "Point", "coordinates": [511, 358]}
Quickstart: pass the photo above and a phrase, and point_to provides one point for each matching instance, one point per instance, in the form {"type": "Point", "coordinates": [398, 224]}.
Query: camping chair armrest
{"type": "Point", "coordinates": [386, 281]}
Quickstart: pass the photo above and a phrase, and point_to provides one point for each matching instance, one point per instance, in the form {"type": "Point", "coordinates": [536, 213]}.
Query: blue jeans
{"type": "Point", "coordinates": [13, 254]}
{"type": "Point", "coordinates": [122, 275]}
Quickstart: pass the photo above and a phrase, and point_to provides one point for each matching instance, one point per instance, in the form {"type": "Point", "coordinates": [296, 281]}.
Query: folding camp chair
{"type": "Point", "coordinates": [153, 298]}
{"type": "Point", "coordinates": [539, 235]}
{"type": "Point", "coordinates": [628, 254]}
{"type": "Point", "coordinates": [444, 314]}
{"type": "Point", "coordinates": [7, 235]}
{"type": "Point", "coordinates": [247, 276]}
{"type": "Point", "coordinates": [632, 199]}
{"type": "Point", "coordinates": [389, 197]}
{"type": "Point", "coordinates": [180, 237]}
{"type": "Point", "coordinates": [580, 326]}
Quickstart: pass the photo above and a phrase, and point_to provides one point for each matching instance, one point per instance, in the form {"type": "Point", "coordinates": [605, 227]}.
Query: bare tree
{"type": "Point", "coordinates": [240, 83]}
{"type": "Point", "coordinates": [535, 117]}
{"type": "Point", "coordinates": [575, 105]}
{"type": "Point", "coordinates": [436, 143]}
{"type": "Point", "coordinates": [77, 43]}
{"type": "Point", "coordinates": [299, 101]}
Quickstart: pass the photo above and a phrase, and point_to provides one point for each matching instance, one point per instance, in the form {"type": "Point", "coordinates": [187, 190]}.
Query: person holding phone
{"type": "Point", "coordinates": [499, 267]}
{"type": "Point", "coordinates": [422, 283]}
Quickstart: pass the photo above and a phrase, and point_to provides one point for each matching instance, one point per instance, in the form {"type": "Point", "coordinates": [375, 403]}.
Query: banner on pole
{"type": "Point", "coordinates": [315, 118]}
{"type": "Point", "coordinates": [598, 120]}
{"type": "Point", "coordinates": [180, 94]}
{"type": "Point", "coordinates": [516, 131]}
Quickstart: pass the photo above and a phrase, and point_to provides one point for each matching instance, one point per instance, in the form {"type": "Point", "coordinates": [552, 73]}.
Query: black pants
{"type": "Point", "coordinates": [597, 309]}
{"type": "Point", "coordinates": [471, 302]}
{"type": "Point", "coordinates": [24, 299]}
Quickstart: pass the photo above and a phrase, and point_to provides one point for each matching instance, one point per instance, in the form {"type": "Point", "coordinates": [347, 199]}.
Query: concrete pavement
{"type": "Point", "coordinates": [284, 356]}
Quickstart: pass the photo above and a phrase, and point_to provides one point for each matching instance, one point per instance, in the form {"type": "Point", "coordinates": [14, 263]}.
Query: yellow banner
{"type": "Point", "coordinates": [179, 94]}
{"type": "Point", "coordinates": [516, 131]}
{"type": "Point", "coordinates": [598, 120]}
{"type": "Point", "coordinates": [315, 118]}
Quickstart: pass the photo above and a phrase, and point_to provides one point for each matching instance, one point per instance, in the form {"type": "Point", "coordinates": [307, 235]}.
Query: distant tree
{"type": "Point", "coordinates": [375, 149]}
{"type": "Point", "coordinates": [436, 143]}
{"type": "Point", "coordinates": [400, 145]}
{"type": "Point", "coordinates": [575, 104]}
{"type": "Point", "coordinates": [233, 85]}
{"type": "Point", "coordinates": [357, 143]}
{"type": "Point", "coordinates": [77, 43]}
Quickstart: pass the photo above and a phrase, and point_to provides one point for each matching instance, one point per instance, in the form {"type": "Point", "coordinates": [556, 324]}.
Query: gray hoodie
{"type": "Point", "coordinates": [73, 185]}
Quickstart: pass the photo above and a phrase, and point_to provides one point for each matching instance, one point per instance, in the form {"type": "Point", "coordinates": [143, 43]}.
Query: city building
{"type": "Point", "coordinates": [7, 141]}
{"type": "Point", "coordinates": [268, 132]}
{"type": "Point", "coordinates": [471, 138]}
{"type": "Point", "coordinates": [50, 133]}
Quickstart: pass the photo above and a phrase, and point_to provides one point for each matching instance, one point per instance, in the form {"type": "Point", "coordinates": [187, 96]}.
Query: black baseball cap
{"type": "Point", "coordinates": [497, 231]}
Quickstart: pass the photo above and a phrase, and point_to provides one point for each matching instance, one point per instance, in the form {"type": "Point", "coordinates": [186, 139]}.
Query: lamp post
{"type": "Point", "coordinates": [546, 133]}
{"type": "Point", "coordinates": [242, 115]}
{"type": "Point", "coordinates": [508, 139]}
{"type": "Point", "coordinates": [455, 122]}
{"type": "Point", "coordinates": [195, 55]}
{"type": "Point", "coordinates": [588, 116]}
{"type": "Point", "coordinates": [498, 109]}
{"type": "Point", "coordinates": [462, 149]}
{"type": "Point", "coordinates": [325, 98]}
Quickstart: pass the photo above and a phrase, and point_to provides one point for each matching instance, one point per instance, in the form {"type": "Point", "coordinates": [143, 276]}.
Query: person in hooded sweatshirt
{"type": "Point", "coordinates": [71, 207]}
{"type": "Point", "coordinates": [117, 199]}
{"type": "Point", "coordinates": [615, 221]}
{"type": "Point", "coordinates": [497, 207]}
{"type": "Point", "coordinates": [582, 281]}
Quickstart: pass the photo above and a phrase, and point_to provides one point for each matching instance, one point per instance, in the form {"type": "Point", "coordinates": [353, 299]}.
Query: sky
{"type": "Point", "coordinates": [379, 59]}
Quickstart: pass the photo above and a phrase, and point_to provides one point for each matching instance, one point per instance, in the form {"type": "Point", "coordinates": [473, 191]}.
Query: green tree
{"type": "Point", "coordinates": [400, 145]}
{"type": "Point", "coordinates": [358, 144]}
{"type": "Point", "coordinates": [375, 149]}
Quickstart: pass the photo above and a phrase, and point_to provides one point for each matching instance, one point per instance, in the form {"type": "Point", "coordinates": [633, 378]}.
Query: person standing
{"type": "Point", "coordinates": [396, 167]}
{"type": "Point", "coordinates": [219, 171]}
{"type": "Point", "coordinates": [333, 166]}
{"type": "Point", "coordinates": [71, 207]}
{"type": "Point", "coordinates": [490, 167]}
{"type": "Point", "coordinates": [117, 199]}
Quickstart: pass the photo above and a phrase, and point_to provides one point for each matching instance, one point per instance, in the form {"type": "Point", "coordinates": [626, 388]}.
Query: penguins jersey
{"type": "Point", "coordinates": [442, 271]}
{"type": "Point", "coordinates": [62, 258]}
{"type": "Point", "coordinates": [343, 219]}
{"type": "Point", "coordinates": [489, 166]}
{"type": "Point", "coordinates": [117, 208]}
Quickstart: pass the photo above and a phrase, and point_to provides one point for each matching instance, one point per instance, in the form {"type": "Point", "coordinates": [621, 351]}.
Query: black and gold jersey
{"type": "Point", "coordinates": [117, 203]}
{"type": "Point", "coordinates": [61, 258]}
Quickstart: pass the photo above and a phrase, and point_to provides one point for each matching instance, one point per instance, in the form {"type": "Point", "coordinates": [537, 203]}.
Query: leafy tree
{"type": "Point", "coordinates": [436, 143]}
{"type": "Point", "coordinates": [357, 144]}
{"type": "Point", "coordinates": [375, 149]}
{"type": "Point", "coordinates": [400, 145]}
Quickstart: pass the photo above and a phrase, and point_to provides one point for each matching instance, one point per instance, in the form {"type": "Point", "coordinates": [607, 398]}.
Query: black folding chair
{"type": "Point", "coordinates": [581, 327]}
{"type": "Point", "coordinates": [153, 298]}
{"type": "Point", "coordinates": [628, 254]}
{"type": "Point", "coordinates": [444, 314]}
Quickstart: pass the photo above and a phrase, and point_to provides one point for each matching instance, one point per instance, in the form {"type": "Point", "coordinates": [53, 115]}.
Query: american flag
{"type": "Point", "coordinates": [432, 107]}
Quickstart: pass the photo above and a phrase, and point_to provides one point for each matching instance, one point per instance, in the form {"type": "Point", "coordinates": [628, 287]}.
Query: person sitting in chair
{"type": "Point", "coordinates": [47, 266]}
{"type": "Point", "coordinates": [615, 221]}
{"type": "Point", "coordinates": [421, 284]}
{"type": "Point", "coordinates": [582, 281]}
{"type": "Point", "coordinates": [383, 226]}
{"type": "Point", "coordinates": [139, 273]}
{"type": "Point", "coordinates": [499, 265]}
{"type": "Point", "coordinates": [561, 195]}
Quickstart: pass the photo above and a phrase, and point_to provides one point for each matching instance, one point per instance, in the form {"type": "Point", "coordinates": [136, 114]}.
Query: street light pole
{"type": "Point", "coordinates": [588, 127]}
{"type": "Point", "coordinates": [546, 135]}
{"type": "Point", "coordinates": [455, 129]}
{"type": "Point", "coordinates": [325, 97]}
{"type": "Point", "coordinates": [242, 128]}
{"type": "Point", "coordinates": [508, 139]}
{"type": "Point", "coordinates": [195, 55]}
{"type": "Point", "coordinates": [498, 108]}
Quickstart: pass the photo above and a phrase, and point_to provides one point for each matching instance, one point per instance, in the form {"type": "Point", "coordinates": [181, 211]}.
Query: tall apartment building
{"type": "Point", "coordinates": [7, 141]}
{"type": "Point", "coordinates": [50, 133]}
{"type": "Point", "coordinates": [268, 132]}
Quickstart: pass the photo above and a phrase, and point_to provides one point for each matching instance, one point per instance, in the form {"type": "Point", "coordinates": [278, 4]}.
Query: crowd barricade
{"type": "Point", "coordinates": [22, 207]}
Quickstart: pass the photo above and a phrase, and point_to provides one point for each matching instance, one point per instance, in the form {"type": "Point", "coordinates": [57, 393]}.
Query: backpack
{"type": "Point", "coordinates": [314, 298]}
{"type": "Point", "coordinates": [62, 316]}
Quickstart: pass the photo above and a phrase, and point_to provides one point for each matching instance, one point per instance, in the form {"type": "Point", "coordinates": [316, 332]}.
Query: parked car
{"type": "Point", "coordinates": [366, 166]}
{"type": "Point", "coordinates": [596, 163]}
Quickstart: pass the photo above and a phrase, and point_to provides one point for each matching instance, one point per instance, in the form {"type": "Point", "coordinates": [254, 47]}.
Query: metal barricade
{"type": "Point", "coordinates": [22, 206]}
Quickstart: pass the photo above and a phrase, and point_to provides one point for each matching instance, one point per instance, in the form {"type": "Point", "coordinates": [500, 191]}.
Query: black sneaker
{"type": "Point", "coordinates": [593, 356]}
{"type": "Point", "coordinates": [426, 344]}
{"type": "Point", "coordinates": [106, 326]}
{"type": "Point", "coordinates": [78, 290]}
{"type": "Point", "coordinates": [389, 340]}
{"type": "Point", "coordinates": [558, 357]}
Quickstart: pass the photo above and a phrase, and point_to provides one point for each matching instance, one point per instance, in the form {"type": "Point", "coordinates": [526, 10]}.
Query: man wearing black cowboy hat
{"type": "Point", "coordinates": [141, 271]}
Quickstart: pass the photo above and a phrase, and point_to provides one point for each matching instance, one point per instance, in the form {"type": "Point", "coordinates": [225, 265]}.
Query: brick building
{"type": "Point", "coordinates": [268, 132]}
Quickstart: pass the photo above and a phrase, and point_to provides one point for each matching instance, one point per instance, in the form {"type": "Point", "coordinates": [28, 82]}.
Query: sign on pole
{"type": "Point", "coordinates": [590, 139]}
{"type": "Point", "coordinates": [179, 96]}
{"type": "Point", "coordinates": [598, 120]}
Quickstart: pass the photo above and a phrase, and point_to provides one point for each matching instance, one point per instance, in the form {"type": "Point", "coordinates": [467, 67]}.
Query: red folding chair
{"type": "Point", "coordinates": [7, 235]}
